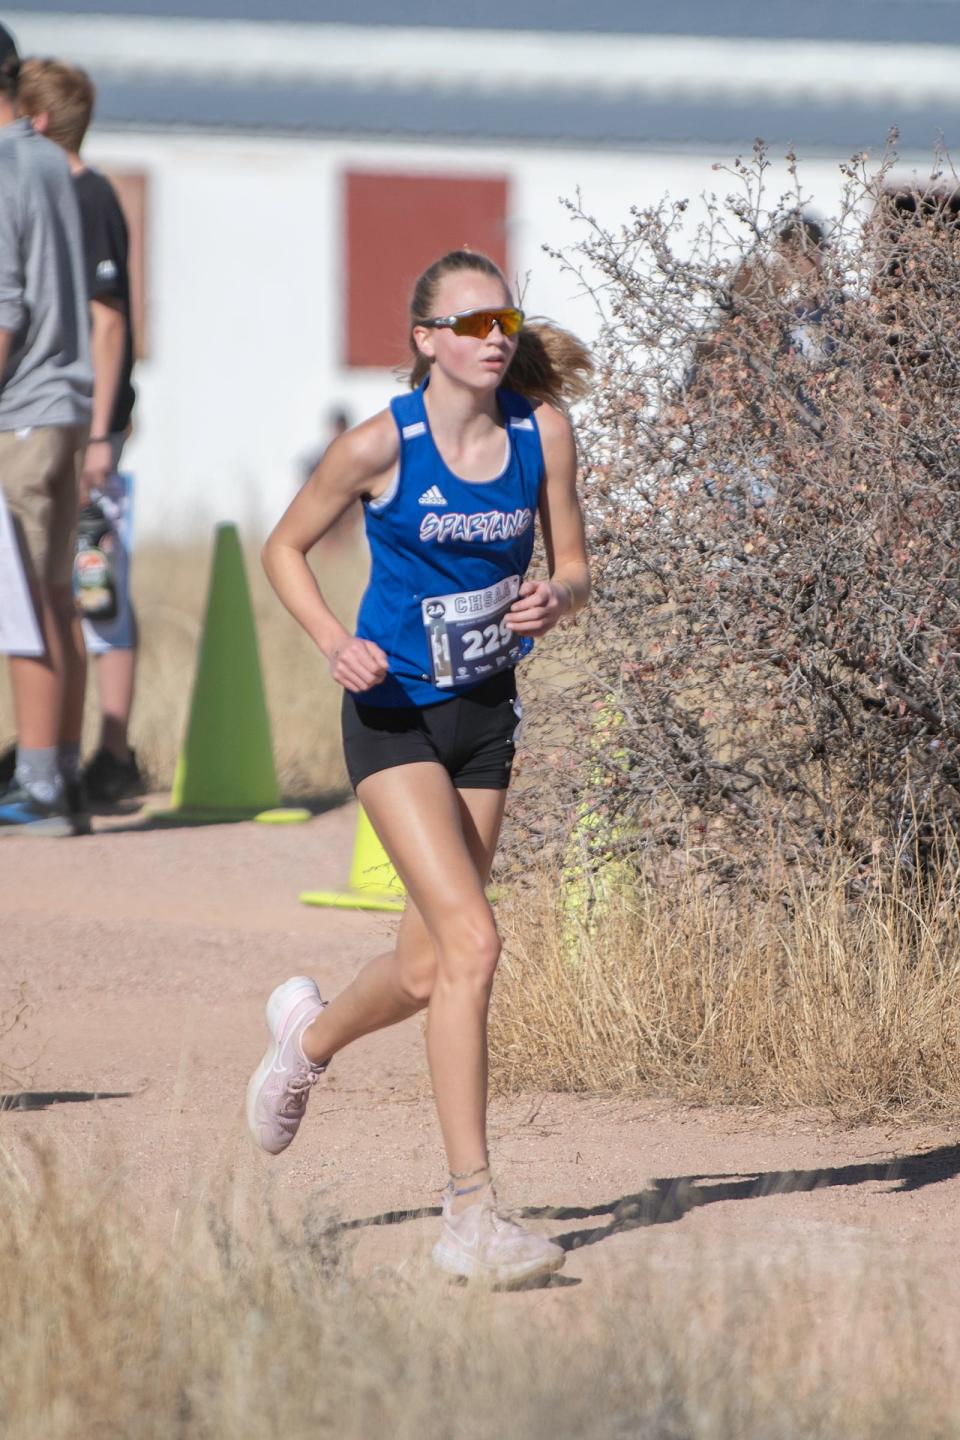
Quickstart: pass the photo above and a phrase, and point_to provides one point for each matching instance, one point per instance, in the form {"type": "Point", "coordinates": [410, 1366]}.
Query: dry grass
{"type": "Point", "coordinates": [805, 998]}
{"type": "Point", "coordinates": [671, 989]}
{"type": "Point", "coordinates": [170, 587]}
{"type": "Point", "coordinates": [210, 1336]}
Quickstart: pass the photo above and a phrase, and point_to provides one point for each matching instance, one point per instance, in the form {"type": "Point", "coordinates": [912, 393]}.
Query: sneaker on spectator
{"type": "Point", "coordinates": [107, 779]}
{"type": "Point", "coordinates": [481, 1243]}
{"type": "Point", "coordinates": [77, 806]}
{"type": "Point", "coordinates": [23, 814]}
{"type": "Point", "coordinates": [280, 1087]}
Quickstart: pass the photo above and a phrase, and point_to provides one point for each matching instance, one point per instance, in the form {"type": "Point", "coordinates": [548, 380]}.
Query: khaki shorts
{"type": "Point", "coordinates": [39, 471]}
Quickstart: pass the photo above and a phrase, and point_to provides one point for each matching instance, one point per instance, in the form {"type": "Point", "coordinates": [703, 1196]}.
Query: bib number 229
{"type": "Point", "coordinates": [467, 634]}
{"type": "Point", "coordinates": [487, 641]}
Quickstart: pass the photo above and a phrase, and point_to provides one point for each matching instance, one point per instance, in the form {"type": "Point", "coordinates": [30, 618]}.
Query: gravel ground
{"type": "Point", "coordinates": [145, 956]}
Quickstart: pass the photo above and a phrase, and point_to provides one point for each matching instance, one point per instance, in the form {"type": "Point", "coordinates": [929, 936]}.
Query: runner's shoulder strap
{"type": "Point", "coordinates": [410, 415]}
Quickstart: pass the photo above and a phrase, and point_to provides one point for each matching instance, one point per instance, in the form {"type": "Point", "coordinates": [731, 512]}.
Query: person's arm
{"type": "Point", "coordinates": [541, 603]}
{"type": "Point", "coordinates": [105, 250]}
{"type": "Point", "coordinates": [12, 309]}
{"type": "Point", "coordinates": [108, 343]}
{"type": "Point", "coordinates": [355, 465]}
{"type": "Point", "coordinates": [6, 341]}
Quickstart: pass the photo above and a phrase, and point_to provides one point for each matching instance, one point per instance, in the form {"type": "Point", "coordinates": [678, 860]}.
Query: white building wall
{"type": "Point", "coordinates": [245, 294]}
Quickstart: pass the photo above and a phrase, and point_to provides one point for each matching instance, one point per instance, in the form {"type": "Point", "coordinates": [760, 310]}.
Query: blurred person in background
{"type": "Point", "coordinates": [59, 100]}
{"type": "Point", "coordinates": [780, 285]}
{"type": "Point", "coordinates": [45, 407]}
{"type": "Point", "coordinates": [349, 528]}
{"type": "Point", "coordinates": [801, 251]}
{"type": "Point", "coordinates": [337, 424]}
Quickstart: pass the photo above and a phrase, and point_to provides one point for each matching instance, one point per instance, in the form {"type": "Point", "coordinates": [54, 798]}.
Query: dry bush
{"type": "Point", "coordinates": [207, 1335]}
{"type": "Point", "coordinates": [14, 1008]}
{"type": "Point", "coordinates": [772, 500]}
{"type": "Point", "coordinates": [683, 989]}
{"type": "Point", "coordinates": [170, 586]}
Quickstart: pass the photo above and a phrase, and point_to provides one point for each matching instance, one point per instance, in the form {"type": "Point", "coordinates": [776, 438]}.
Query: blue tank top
{"type": "Point", "coordinates": [447, 559]}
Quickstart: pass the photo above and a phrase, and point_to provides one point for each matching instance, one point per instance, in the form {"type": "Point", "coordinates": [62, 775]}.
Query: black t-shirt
{"type": "Point", "coordinates": [105, 247]}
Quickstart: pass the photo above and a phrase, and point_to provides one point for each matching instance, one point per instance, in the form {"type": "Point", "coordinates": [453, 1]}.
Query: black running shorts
{"type": "Point", "coordinates": [472, 735]}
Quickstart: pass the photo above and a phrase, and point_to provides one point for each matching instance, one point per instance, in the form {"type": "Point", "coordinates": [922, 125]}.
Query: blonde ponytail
{"type": "Point", "coordinates": [550, 364]}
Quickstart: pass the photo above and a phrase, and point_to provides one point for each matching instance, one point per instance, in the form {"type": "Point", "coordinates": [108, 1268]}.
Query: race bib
{"type": "Point", "coordinates": [467, 636]}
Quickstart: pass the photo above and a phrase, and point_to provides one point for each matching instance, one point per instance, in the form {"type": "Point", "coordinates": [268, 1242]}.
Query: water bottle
{"type": "Point", "coordinates": [94, 570]}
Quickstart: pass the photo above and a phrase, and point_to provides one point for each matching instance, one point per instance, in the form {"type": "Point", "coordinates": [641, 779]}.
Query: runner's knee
{"type": "Point", "coordinates": [469, 951]}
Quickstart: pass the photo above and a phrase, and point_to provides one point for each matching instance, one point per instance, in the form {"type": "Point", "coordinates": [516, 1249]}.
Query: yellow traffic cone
{"type": "Point", "coordinates": [373, 882]}
{"type": "Point", "coordinates": [591, 876]}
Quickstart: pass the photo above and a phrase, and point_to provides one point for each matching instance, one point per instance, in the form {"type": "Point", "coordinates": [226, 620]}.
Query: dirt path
{"type": "Point", "coordinates": [146, 956]}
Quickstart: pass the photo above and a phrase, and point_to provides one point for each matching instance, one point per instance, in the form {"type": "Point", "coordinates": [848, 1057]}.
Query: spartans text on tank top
{"type": "Point", "coordinates": [447, 560]}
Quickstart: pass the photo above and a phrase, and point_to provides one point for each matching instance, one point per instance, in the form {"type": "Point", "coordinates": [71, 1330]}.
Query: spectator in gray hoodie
{"type": "Point", "coordinates": [46, 384]}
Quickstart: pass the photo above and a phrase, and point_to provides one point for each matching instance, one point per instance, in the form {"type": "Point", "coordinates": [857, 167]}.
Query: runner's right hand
{"type": "Point", "coordinates": [358, 664]}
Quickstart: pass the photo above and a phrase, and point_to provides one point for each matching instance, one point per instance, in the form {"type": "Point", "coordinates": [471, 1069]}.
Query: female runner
{"type": "Point", "coordinates": [451, 476]}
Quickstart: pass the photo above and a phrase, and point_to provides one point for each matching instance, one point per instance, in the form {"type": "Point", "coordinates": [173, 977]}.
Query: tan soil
{"type": "Point", "coordinates": [146, 956]}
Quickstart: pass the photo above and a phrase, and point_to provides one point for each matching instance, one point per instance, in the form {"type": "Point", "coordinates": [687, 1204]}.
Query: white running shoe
{"type": "Point", "coordinates": [280, 1086]}
{"type": "Point", "coordinates": [481, 1243]}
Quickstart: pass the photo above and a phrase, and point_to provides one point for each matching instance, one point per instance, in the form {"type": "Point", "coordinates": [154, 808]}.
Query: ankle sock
{"type": "Point", "coordinates": [38, 771]}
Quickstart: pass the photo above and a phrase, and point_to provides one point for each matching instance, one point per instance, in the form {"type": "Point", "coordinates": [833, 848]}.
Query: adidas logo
{"type": "Point", "coordinates": [432, 497]}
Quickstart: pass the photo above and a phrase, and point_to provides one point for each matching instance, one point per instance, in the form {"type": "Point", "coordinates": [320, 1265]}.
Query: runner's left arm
{"type": "Point", "coordinates": [542, 603]}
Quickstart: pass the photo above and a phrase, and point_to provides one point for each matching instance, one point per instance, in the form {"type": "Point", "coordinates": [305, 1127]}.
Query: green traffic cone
{"type": "Point", "coordinates": [226, 769]}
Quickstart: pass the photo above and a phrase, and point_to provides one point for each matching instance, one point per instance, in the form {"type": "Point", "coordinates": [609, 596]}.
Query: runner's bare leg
{"type": "Point", "coordinates": [395, 985]}
{"type": "Point", "coordinates": [418, 815]}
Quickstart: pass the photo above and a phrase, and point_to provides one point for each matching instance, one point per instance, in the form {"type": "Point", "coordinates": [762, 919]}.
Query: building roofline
{"type": "Point", "coordinates": [558, 119]}
{"type": "Point", "coordinates": [625, 90]}
{"type": "Point", "coordinates": [477, 62]}
{"type": "Point", "coordinates": [879, 21]}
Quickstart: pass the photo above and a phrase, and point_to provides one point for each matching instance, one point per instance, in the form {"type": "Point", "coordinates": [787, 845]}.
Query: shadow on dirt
{"type": "Point", "coordinates": [43, 1099]}
{"type": "Point", "coordinates": [392, 1217]}
{"type": "Point", "coordinates": [153, 813]}
{"type": "Point", "coordinates": [665, 1201]}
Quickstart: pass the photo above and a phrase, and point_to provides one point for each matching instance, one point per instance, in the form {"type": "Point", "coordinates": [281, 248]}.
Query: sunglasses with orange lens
{"type": "Point", "coordinates": [479, 323]}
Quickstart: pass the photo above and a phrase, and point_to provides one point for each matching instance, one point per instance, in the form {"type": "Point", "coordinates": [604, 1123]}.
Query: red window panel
{"type": "Point", "coordinates": [395, 226]}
